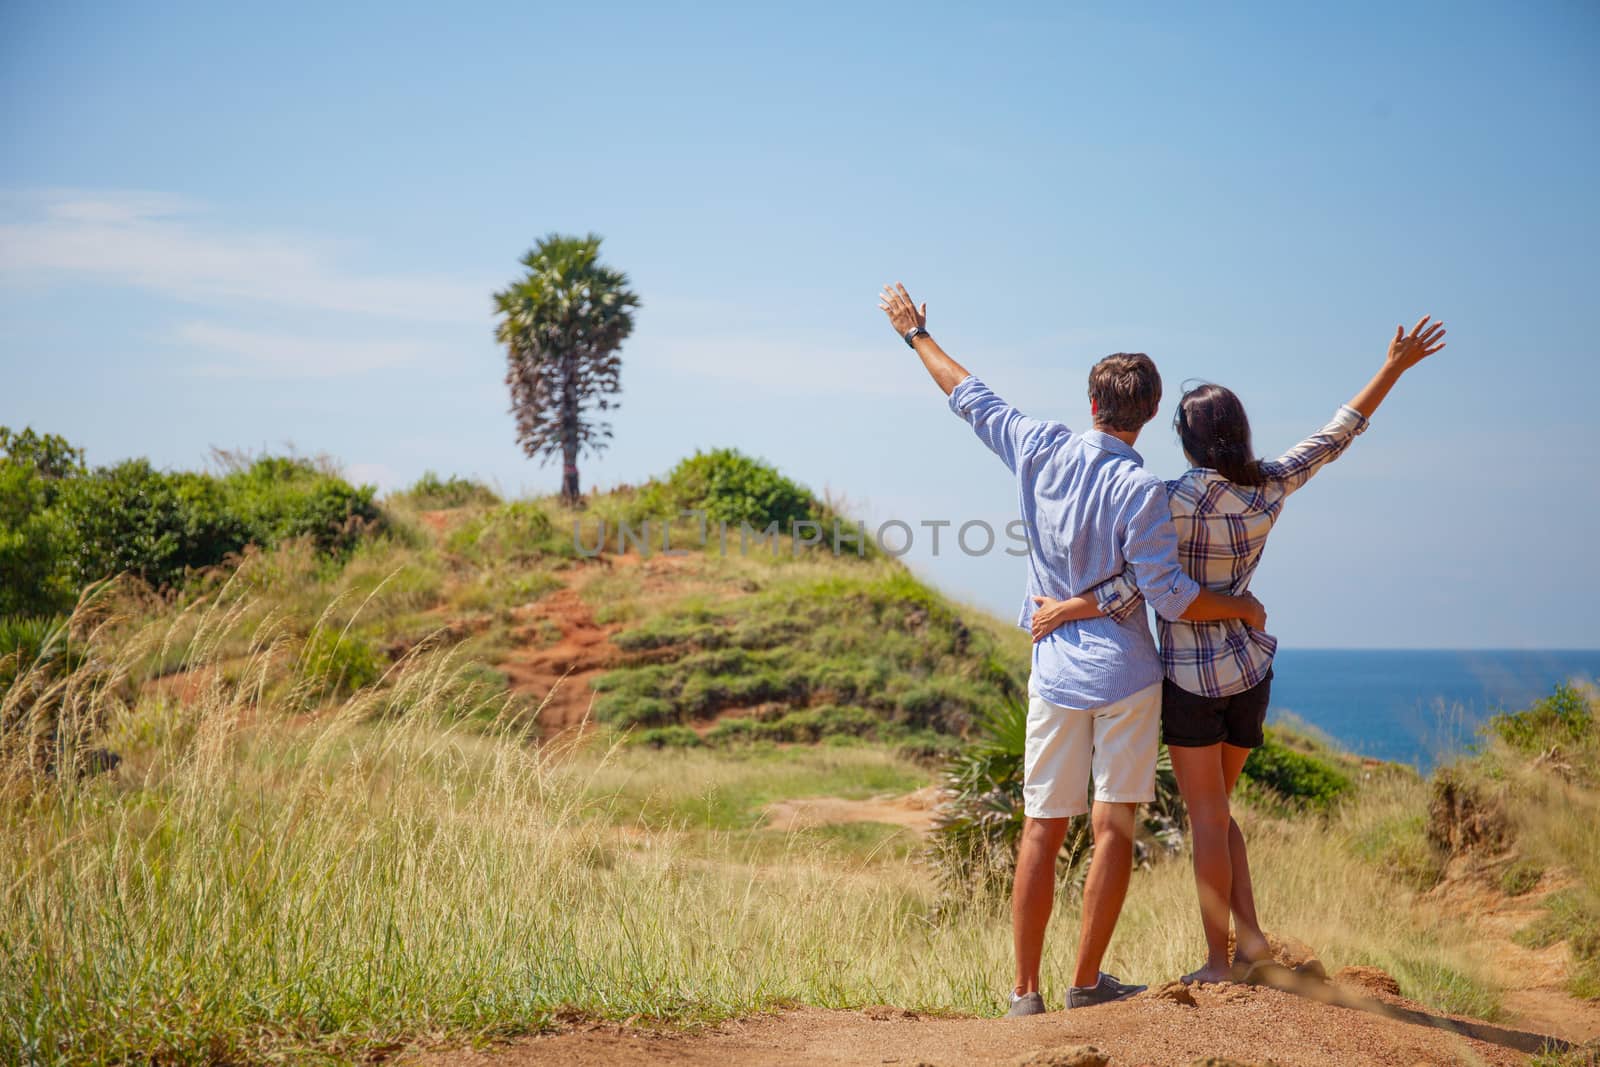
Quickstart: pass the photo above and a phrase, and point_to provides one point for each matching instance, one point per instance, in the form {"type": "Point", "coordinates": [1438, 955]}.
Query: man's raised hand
{"type": "Point", "coordinates": [1409, 349]}
{"type": "Point", "coordinates": [903, 314]}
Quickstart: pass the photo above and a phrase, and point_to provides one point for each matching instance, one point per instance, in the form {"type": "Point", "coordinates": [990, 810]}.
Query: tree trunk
{"type": "Point", "coordinates": [569, 444]}
{"type": "Point", "coordinates": [569, 476]}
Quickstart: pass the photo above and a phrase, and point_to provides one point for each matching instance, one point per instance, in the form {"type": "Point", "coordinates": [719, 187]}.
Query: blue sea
{"type": "Point", "coordinates": [1414, 707]}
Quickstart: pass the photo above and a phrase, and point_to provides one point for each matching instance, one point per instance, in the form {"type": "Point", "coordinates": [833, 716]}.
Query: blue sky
{"type": "Point", "coordinates": [234, 227]}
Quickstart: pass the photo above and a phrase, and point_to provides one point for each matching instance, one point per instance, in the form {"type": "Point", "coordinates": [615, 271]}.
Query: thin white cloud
{"type": "Point", "coordinates": [227, 351]}
{"type": "Point", "coordinates": [154, 242]}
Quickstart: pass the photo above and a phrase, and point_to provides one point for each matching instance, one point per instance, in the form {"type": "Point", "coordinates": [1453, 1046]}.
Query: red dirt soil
{"type": "Point", "coordinates": [558, 674]}
{"type": "Point", "coordinates": [1248, 1024]}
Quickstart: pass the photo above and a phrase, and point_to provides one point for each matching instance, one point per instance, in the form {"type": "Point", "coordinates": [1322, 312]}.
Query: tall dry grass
{"type": "Point", "coordinates": [266, 873]}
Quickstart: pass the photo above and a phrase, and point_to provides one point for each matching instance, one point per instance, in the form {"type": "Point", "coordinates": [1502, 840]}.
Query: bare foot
{"type": "Point", "coordinates": [1251, 951]}
{"type": "Point", "coordinates": [1207, 975]}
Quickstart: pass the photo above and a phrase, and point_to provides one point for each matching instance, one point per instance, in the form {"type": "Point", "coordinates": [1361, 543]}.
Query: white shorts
{"type": "Point", "coordinates": [1117, 742]}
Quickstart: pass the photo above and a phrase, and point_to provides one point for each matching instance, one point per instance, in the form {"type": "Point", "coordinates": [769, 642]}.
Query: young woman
{"type": "Point", "coordinates": [1219, 674]}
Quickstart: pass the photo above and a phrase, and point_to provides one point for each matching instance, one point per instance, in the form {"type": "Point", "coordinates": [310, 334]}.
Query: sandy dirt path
{"type": "Point", "coordinates": [1247, 1024]}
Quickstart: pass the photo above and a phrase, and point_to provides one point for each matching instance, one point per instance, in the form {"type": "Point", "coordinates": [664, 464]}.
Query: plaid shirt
{"type": "Point", "coordinates": [1222, 530]}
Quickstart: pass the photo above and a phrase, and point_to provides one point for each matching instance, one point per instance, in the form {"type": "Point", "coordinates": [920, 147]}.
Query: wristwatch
{"type": "Point", "coordinates": [914, 333]}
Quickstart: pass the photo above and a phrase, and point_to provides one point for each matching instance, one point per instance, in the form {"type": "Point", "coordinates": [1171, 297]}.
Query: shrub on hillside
{"type": "Point", "coordinates": [62, 527]}
{"type": "Point", "coordinates": [278, 498]}
{"type": "Point", "coordinates": [1562, 718]}
{"type": "Point", "coordinates": [733, 488]}
{"type": "Point", "coordinates": [35, 576]}
{"type": "Point", "coordinates": [35, 542]}
{"type": "Point", "coordinates": [1296, 778]}
{"type": "Point", "coordinates": [431, 493]}
{"type": "Point", "coordinates": [133, 518]}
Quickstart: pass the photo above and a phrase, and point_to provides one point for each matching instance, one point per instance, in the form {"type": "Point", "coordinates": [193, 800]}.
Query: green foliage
{"type": "Point", "coordinates": [35, 541]}
{"type": "Point", "coordinates": [52, 456]}
{"type": "Point", "coordinates": [337, 664]}
{"type": "Point", "coordinates": [1563, 717]}
{"type": "Point", "coordinates": [279, 498]}
{"type": "Point", "coordinates": [562, 323]}
{"type": "Point", "coordinates": [831, 724]}
{"type": "Point", "coordinates": [666, 737]}
{"type": "Point", "coordinates": [42, 645]}
{"type": "Point", "coordinates": [35, 576]}
{"type": "Point", "coordinates": [62, 527]}
{"type": "Point", "coordinates": [1298, 779]}
{"type": "Point", "coordinates": [133, 518]}
{"type": "Point", "coordinates": [430, 492]}
{"type": "Point", "coordinates": [733, 488]}
{"type": "Point", "coordinates": [884, 644]}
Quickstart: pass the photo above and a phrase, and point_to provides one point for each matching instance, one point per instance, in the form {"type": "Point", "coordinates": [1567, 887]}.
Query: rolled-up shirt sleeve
{"type": "Point", "coordinates": [1295, 467]}
{"type": "Point", "coordinates": [998, 425]}
{"type": "Point", "coordinates": [1118, 597]}
{"type": "Point", "coordinates": [1150, 545]}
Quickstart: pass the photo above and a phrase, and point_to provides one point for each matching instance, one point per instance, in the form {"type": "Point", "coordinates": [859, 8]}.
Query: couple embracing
{"type": "Point", "coordinates": [1106, 537]}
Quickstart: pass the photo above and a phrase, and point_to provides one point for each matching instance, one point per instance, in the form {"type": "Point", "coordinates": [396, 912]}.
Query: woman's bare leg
{"type": "Point", "coordinates": [1205, 793]}
{"type": "Point", "coordinates": [1250, 942]}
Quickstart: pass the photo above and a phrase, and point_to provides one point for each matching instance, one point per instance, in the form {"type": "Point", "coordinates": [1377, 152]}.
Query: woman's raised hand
{"type": "Point", "coordinates": [1409, 349]}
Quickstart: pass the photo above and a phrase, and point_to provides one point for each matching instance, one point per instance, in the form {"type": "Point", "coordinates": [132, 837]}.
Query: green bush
{"type": "Point", "coordinates": [1563, 717]}
{"type": "Point", "coordinates": [35, 545]}
{"type": "Point", "coordinates": [39, 644]}
{"type": "Point", "coordinates": [62, 527]}
{"type": "Point", "coordinates": [133, 518]}
{"type": "Point", "coordinates": [52, 456]}
{"type": "Point", "coordinates": [731, 487]}
{"type": "Point", "coordinates": [1296, 778]}
{"type": "Point", "coordinates": [430, 492]}
{"type": "Point", "coordinates": [279, 498]}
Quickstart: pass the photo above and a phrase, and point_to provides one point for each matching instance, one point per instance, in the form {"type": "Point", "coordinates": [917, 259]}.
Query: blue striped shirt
{"type": "Point", "coordinates": [1091, 511]}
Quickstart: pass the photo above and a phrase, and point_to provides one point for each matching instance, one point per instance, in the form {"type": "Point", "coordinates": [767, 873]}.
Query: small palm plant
{"type": "Point", "coordinates": [980, 822]}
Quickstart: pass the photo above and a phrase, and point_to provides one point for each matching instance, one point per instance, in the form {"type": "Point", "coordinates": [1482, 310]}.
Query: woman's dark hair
{"type": "Point", "coordinates": [1215, 433]}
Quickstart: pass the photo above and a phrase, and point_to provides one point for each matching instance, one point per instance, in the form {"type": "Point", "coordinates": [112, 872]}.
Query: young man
{"type": "Point", "coordinates": [1094, 708]}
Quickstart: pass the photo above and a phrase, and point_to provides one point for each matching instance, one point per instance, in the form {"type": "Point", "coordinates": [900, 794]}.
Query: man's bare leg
{"type": "Point", "coordinates": [1033, 895]}
{"type": "Point", "coordinates": [1106, 886]}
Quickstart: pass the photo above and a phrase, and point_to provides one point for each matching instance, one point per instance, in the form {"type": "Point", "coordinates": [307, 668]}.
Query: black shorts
{"type": "Point", "coordinates": [1192, 721]}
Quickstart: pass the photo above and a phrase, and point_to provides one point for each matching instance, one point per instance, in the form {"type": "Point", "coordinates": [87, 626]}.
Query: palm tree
{"type": "Point", "coordinates": [562, 324]}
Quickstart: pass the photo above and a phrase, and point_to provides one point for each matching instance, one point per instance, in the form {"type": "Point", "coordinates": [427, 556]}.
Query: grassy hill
{"type": "Point", "coordinates": [455, 777]}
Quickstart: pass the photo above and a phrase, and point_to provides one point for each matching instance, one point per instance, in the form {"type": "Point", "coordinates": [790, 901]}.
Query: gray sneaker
{"type": "Point", "coordinates": [1027, 1004]}
{"type": "Point", "coordinates": [1104, 991]}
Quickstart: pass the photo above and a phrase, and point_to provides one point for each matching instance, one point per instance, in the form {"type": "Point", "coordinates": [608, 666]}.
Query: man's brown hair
{"type": "Point", "coordinates": [1126, 389]}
